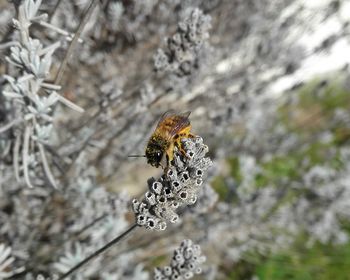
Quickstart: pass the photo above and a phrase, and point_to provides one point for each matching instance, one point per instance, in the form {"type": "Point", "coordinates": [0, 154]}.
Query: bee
{"type": "Point", "coordinates": [171, 129]}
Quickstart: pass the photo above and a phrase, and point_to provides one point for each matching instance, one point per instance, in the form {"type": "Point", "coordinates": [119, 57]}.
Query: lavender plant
{"type": "Point", "coordinates": [181, 55]}
{"type": "Point", "coordinates": [179, 185]}
{"type": "Point", "coordinates": [7, 269]}
{"type": "Point", "coordinates": [33, 109]}
{"type": "Point", "coordinates": [126, 62]}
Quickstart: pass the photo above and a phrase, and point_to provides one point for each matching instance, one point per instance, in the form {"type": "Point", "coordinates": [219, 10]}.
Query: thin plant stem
{"type": "Point", "coordinates": [51, 14]}
{"type": "Point", "coordinates": [99, 252]}
{"type": "Point", "coordinates": [72, 45]}
{"type": "Point", "coordinates": [100, 218]}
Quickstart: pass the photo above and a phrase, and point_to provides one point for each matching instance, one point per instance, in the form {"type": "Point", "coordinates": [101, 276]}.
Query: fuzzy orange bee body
{"type": "Point", "coordinates": [171, 129]}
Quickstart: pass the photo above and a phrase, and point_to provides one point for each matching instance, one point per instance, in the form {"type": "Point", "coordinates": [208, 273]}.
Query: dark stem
{"type": "Point", "coordinates": [81, 26]}
{"type": "Point", "coordinates": [54, 10]}
{"type": "Point", "coordinates": [98, 252]}
{"type": "Point", "coordinates": [91, 224]}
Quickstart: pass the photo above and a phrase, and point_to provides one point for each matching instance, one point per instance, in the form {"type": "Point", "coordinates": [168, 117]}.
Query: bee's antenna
{"type": "Point", "coordinates": [137, 156]}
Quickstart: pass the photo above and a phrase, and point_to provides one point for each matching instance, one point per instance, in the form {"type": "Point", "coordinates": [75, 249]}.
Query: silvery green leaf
{"type": "Point", "coordinates": [6, 261]}
{"type": "Point", "coordinates": [13, 62]}
{"type": "Point", "coordinates": [10, 124]}
{"type": "Point", "coordinates": [13, 84]}
{"type": "Point", "coordinates": [50, 49]}
{"type": "Point", "coordinates": [40, 17]}
{"type": "Point", "coordinates": [43, 132]}
{"type": "Point", "coordinates": [51, 86]}
{"type": "Point", "coordinates": [25, 77]}
{"type": "Point", "coordinates": [28, 116]}
{"type": "Point", "coordinates": [72, 257]}
{"type": "Point", "coordinates": [24, 57]}
{"type": "Point", "coordinates": [16, 156]}
{"type": "Point", "coordinates": [16, 24]}
{"type": "Point", "coordinates": [32, 109]}
{"type": "Point", "coordinates": [25, 155]}
{"type": "Point", "coordinates": [33, 69]}
{"type": "Point", "coordinates": [31, 94]}
{"type": "Point", "coordinates": [10, 94]}
{"type": "Point", "coordinates": [34, 46]}
{"type": "Point", "coordinates": [70, 104]}
{"type": "Point", "coordinates": [45, 64]}
{"type": "Point", "coordinates": [36, 65]}
{"type": "Point", "coordinates": [33, 55]}
{"type": "Point", "coordinates": [31, 8]}
{"type": "Point", "coordinates": [22, 87]}
{"type": "Point", "coordinates": [10, 79]}
{"type": "Point", "coordinates": [46, 166]}
{"type": "Point", "coordinates": [34, 86]}
{"type": "Point", "coordinates": [19, 101]}
{"type": "Point", "coordinates": [28, 8]}
{"type": "Point", "coordinates": [52, 99]}
{"type": "Point", "coordinates": [42, 105]}
{"type": "Point", "coordinates": [9, 44]}
{"type": "Point", "coordinates": [46, 117]}
{"type": "Point", "coordinates": [15, 54]}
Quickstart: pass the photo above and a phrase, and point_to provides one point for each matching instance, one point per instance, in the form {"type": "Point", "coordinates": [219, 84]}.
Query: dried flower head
{"type": "Point", "coordinates": [184, 264]}
{"type": "Point", "coordinates": [183, 47]}
{"type": "Point", "coordinates": [178, 186]}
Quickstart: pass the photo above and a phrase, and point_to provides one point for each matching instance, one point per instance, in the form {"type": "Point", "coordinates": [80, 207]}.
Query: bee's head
{"type": "Point", "coordinates": [154, 156]}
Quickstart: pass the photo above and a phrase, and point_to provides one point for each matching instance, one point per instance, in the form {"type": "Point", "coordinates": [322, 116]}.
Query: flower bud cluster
{"type": "Point", "coordinates": [184, 264]}
{"type": "Point", "coordinates": [178, 186]}
{"type": "Point", "coordinates": [183, 47]}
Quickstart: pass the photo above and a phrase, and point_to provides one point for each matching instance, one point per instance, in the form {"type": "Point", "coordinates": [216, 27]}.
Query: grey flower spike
{"type": "Point", "coordinates": [185, 263]}
{"type": "Point", "coordinates": [183, 47]}
{"type": "Point", "coordinates": [178, 186]}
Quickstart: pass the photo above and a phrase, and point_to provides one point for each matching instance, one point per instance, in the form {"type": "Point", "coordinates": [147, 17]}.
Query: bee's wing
{"type": "Point", "coordinates": [185, 114]}
{"type": "Point", "coordinates": [181, 121]}
{"type": "Point", "coordinates": [172, 113]}
{"type": "Point", "coordinates": [165, 115]}
{"type": "Point", "coordinates": [178, 122]}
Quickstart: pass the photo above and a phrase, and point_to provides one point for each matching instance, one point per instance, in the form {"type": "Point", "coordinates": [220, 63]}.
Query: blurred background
{"type": "Point", "coordinates": [267, 82]}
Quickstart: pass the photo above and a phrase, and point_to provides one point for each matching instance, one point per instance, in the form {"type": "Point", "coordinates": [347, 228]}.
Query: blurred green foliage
{"type": "Point", "coordinates": [321, 261]}
{"type": "Point", "coordinates": [293, 165]}
{"type": "Point", "coordinates": [219, 183]}
{"type": "Point", "coordinates": [308, 116]}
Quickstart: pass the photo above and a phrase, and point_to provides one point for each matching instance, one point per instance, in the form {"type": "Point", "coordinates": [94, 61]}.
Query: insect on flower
{"type": "Point", "coordinates": [171, 129]}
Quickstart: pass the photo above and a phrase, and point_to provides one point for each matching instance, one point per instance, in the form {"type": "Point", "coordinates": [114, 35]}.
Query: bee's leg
{"type": "Point", "coordinates": [179, 146]}
{"type": "Point", "coordinates": [186, 133]}
{"type": "Point", "coordinates": [170, 153]}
